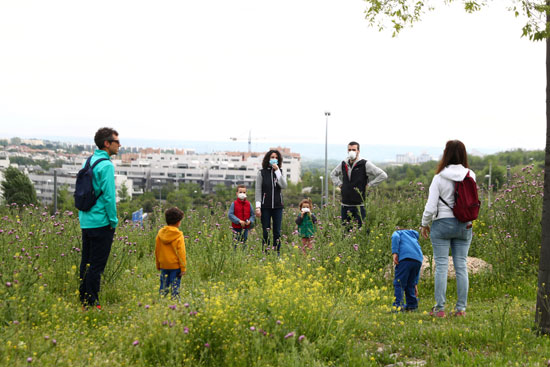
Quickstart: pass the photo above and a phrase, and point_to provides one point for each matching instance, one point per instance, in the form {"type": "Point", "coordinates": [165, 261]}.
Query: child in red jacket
{"type": "Point", "coordinates": [241, 215]}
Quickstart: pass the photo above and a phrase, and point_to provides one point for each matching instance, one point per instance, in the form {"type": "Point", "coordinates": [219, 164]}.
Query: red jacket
{"type": "Point", "coordinates": [242, 211]}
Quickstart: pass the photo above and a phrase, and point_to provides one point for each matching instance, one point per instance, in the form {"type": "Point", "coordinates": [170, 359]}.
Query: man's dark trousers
{"type": "Point", "coordinates": [96, 247]}
{"type": "Point", "coordinates": [357, 212]}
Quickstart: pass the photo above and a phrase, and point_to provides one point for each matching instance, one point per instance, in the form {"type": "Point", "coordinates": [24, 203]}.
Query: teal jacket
{"type": "Point", "coordinates": [103, 213]}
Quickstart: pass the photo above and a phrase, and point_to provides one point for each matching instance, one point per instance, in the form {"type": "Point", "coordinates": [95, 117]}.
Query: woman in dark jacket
{"type": "Point", "coordinates": [269, 199]}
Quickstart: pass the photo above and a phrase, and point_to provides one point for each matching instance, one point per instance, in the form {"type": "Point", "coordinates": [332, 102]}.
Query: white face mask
{"type": "Point", "coordinates": [352, 154]}
{"type": "Point", "coordinates": [305, 210]}
{"type": "Point", "coordinates": [241, 195]}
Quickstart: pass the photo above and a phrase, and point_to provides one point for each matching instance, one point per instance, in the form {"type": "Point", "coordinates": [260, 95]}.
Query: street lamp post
{"type": "Point", "coordinates": [322, 190]}
{"type": "Point", "coordinates": [327, 114]}
{"type": "Point", "coordinates": [160, 192]}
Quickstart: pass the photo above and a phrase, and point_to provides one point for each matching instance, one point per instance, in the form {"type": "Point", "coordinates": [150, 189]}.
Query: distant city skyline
{"type": "Point", "coordinates": [309, 151]}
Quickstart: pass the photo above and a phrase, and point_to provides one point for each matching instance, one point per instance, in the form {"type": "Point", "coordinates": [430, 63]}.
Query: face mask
{"type": "Point", "coordinates": [241, 195]}
{"type": "Point", "coordinates": [352, 154]}
{"type": "Point", "coordinates": [273, 161]}
{"type": "Point", "coordinates": [305, 210]}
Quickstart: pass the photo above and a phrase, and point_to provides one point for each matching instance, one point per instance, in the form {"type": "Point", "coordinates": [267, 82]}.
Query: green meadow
{"type": "Point", "coordinates": [242, 307]}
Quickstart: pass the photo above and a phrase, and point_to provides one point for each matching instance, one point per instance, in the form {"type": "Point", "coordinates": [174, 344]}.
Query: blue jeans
{"type": "Point", "coordinates": [406, 274]}
{"type": "Point", "coordinates": [240, 235]}
{"type": "Point", "coordinates": [450, 233]}
{"type": "Point", "coordinates": [169, 279]}
{"type": "Point", "coordinates": [276, 216]}
{"type": "Point", "coordinates": [358, 213]}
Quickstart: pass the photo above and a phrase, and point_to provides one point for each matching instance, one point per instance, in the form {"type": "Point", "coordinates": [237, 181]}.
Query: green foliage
{"type": "Point", "coordinates": [44, 164]}
{"type": "Point", "coordinates": [17, 187]}
{"type": "Point", "coordinates": [65, 201]}
{"type": "Point", "coordinates": [399, 14]}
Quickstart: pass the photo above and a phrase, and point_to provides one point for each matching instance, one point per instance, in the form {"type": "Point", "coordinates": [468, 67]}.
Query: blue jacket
{"type": "Point", "coordinates": [405, 244]}
{"type": "Point", "coordinates": [103, 213]}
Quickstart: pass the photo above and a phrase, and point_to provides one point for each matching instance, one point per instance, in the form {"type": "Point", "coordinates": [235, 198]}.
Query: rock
{"type": "Point", "coordinates": [474, 264]}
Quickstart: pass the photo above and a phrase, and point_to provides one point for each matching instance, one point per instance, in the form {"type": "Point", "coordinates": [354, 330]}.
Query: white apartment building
{"type": "Point", "coordinates": [153, 169]}
{"type": "Point", "coordinates": [44, 184]}
{"type": "Point", "coordinates": [208, 170]}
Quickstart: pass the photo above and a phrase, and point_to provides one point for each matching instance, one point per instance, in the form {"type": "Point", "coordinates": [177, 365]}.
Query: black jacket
{"type": "Point", "coordinates": [272, 197]}
{"type": "Point", "coordinates": [354, 187]}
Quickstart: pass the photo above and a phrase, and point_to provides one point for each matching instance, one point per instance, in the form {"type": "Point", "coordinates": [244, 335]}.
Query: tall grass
{"type": "Point", "coordinates": [244, 307]}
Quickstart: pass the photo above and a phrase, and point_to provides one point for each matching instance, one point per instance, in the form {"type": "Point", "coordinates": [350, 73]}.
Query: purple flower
{"type": "Point", "coordinates": [147, 307]}
{"type": "Point", "coordinates": [15, 322]}
{"type": "Point", "coordinates": [278, 322]}
{"type": "Point", "coordinates": [206, 345]}
{"type": "Point", "coordinates": [29, 360]}
{"type": "Point", "coordinates": [8, 284]}
{"type": "Point", "coordinates": [186, 330]}
{"type": "Point", "coordinates": [289, 335]}
{"type": "Point", "coordinates": [54, 342]}
{"type": "Point", "coordinates": [135, 343]}
{"type": "Point", "coordinates": [252, 328]}
{"type": "Point", "coordinates": [301, 337]}
{"type": "Point", "coordinates": [173, 307]}
{"type": "Point", "coordinates": [186, 305]}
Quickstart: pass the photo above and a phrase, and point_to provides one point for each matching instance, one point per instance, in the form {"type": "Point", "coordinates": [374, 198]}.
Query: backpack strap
{"type": "Point", "coordinates": [444, 202]}
{"type": "Point", "coordinates": [93, 166]}
{"type": "Point", "coordinates": [96, 162]}
{"type": "Point", "coordinates": [88, 163]}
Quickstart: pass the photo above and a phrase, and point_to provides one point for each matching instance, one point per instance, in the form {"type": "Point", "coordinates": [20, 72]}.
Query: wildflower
{"type": "Point", "coordinates": [54, 342]}
{"type": "Point", "coordinates": [15, 322]}
{"type": "Point", "coordinates": [8, 284]}
{"type": "Point", "coordinates": [301, 337]}
{"type": "Point", "coordinates": [135, 343]}
{"type": "Point", "coordinates": [289, 335]}
{"type": "Point", "coordinates": [147, 307]}
{"type": "Point", "coordinates": [206, 345]}
{"type": "Point", "coordinates": [278, 322]}
{"type": "Point", "coordinates": [172, 307]}
{"type": "Point", "coordinates": [186, 330]}
{"type": "Point", "coordinates": [29, 360]}
{"type": "Point", "coordinates": [252, 328]}
{"type": "Point", "coordinates": [186, 305]}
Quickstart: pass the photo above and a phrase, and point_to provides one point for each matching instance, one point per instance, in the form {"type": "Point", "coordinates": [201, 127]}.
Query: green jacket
{"type": "Point", "coordinates": [306, 225]}
{"type": "Point", "coordinates": [103, 213]}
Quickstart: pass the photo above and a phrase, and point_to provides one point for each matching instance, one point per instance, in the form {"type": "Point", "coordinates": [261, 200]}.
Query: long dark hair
{"type": "Point", "coordinates": [265, 162]}
{"type": "Point", "coordinates": [454, 153]}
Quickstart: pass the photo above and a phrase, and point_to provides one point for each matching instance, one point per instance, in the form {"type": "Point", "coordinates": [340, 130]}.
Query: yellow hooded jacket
{"type": "Point", "coordinates": [169, 240]}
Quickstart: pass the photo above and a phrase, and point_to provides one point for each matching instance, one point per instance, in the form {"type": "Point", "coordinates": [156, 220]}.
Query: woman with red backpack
{"type": "Point", "coordinates": [452, 216]}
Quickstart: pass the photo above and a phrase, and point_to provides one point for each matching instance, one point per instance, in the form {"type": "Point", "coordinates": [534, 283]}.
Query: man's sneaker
{"type": "Point", "coordinates": [435, 313]}
{"type": "Point", "coordinates": [459, 313]}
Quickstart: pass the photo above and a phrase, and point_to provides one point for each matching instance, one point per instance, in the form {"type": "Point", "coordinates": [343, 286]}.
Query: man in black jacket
{"type": "Point", "coordinates": [353, 176]}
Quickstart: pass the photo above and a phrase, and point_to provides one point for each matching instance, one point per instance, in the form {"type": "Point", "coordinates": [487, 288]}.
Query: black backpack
{"type": "Point", "coordinates": [84, 193]}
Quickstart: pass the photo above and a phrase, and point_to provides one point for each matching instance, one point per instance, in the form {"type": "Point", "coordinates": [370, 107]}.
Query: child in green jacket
{"type": "Point", "coordinates": [306, 224]}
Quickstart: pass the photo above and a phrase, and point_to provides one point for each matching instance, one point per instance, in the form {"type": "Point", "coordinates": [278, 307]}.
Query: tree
{"type": "Point", "coordinates": [17, 187]}
{"type": "Point", "coordinates": [402, 13]}
{"type": "Point", "coordinates": [123, 193]}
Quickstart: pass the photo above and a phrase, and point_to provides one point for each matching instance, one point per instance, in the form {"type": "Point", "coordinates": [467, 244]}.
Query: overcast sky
{"type": "Point", "coordinates": [211, 70]}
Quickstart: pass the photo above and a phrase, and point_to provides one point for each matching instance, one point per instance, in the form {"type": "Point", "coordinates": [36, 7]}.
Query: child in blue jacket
{"type": "Point", "coordinates": [407, 257]}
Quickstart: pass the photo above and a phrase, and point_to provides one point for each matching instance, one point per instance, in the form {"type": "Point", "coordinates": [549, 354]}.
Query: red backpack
{"type": "Point", "coordinates": [467, 202]}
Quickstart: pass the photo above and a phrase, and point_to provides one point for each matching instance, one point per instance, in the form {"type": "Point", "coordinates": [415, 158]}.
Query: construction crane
{"type": "Point", "coordinates": [249, 140]}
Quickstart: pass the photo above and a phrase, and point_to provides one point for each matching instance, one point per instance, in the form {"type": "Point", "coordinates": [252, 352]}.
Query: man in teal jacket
{"type": "Point", "coordinates": [99, 223]}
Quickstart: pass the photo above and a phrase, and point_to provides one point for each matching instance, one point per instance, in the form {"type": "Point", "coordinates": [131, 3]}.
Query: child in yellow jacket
{"type": "Point", "coordinates": [170, 253]}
